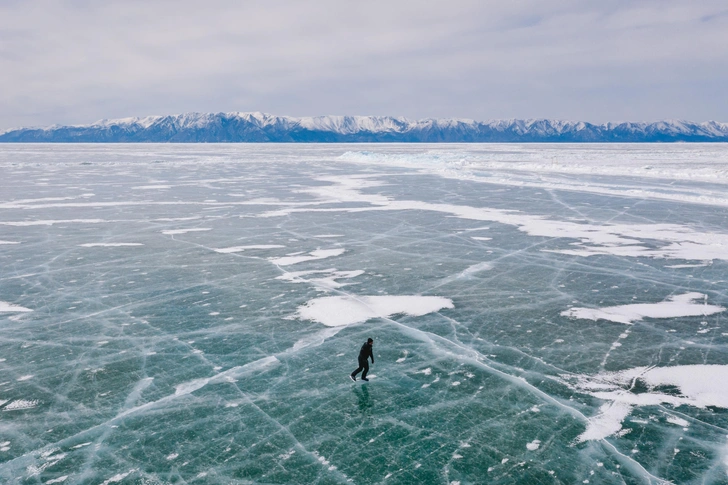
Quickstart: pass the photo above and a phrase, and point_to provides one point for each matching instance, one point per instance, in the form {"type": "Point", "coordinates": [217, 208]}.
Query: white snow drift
{"type": "Point", "coordinates": [336, 311]}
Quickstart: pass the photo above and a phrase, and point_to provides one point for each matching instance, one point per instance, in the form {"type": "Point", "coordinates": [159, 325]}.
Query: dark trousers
{"type": "Point", "coordinates": [363, 364]}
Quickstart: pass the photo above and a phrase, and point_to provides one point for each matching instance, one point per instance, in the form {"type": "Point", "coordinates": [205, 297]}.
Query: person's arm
{"type": "Point", "coordinates": [371, 353]}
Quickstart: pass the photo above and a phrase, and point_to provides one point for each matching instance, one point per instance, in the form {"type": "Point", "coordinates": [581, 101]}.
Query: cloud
{"type": "Point", "coordinates": [77, 61]}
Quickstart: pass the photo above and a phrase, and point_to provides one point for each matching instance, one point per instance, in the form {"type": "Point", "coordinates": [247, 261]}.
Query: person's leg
{"type": "Point", "coordinates": [366, 369]}
{"type": "Point", "coordinates": [358, 369]}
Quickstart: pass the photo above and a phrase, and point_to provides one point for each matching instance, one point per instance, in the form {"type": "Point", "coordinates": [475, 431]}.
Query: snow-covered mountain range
{"type": "Point", "coordinates": [261, 127]}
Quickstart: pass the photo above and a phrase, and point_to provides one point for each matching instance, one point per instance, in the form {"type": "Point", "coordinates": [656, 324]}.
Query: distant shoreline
{"type": "Point", "coordinates": [303, 143]}
{"type": "Point", "coordinates": [265, 128]}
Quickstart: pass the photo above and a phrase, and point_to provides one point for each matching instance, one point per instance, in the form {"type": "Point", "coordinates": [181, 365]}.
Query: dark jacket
{"type": "Point", "coordinates": [366, 352]}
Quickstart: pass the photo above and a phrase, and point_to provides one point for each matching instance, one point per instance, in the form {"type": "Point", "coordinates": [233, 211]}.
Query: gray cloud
{"type": "Point", "coordinates": [78, 61]}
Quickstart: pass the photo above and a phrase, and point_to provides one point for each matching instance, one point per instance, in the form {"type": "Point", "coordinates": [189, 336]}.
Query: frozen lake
{"type": "Point", "coordinates": [190, 314]}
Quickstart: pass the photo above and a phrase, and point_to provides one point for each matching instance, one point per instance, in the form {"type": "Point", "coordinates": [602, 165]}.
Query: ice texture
{"type": "Point", "coordinates": [191, 313]}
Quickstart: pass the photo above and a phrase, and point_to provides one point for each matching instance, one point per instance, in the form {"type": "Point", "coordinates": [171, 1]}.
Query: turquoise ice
{"type": "Point", "coordinates": [190, 314]}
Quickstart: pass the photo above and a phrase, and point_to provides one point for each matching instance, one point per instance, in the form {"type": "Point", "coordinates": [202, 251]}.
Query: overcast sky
{"type": "Point", "coordinates": [82, 60]}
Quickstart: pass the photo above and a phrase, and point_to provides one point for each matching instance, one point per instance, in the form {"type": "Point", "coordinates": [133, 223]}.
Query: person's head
{"type": "Point", "coordinates": [370, 341]}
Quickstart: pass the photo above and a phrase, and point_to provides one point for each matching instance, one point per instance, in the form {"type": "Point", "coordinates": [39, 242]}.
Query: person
{"type": "Point", "coordinates": [364, 354]}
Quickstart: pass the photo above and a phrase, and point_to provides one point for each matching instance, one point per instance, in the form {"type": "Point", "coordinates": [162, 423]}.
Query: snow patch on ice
{"type": "Point", "coordinates": [328, 281]}
{"type": "Point", "coordinates": [57, 480]}
{"type": "Point", "coordinates": [699, 385]}
{"type": "Point", "coordinates": [51, 222]}
{"type": "Point", "coordinates": [678, 266]}
{"type": "Point", "coordinates": [675, 306]}
{"type": "Point", "coordinates": [238, 249]}
{"type": "Point", "coordinates": [151, 187]}
{"type": "Point", "coordinates": [287, 455]}
{"type": "Point", "coordinates": [176, 219]}
{"type": "Point", "coordinates": [9, 307]}
{"type": "Point", "coordinates": [607, 422]}
{"type": "Point", "coordinates": [476, 268]}
{"type": "Point", "coordinates": [119, 477]}
{"type": "Point", "coordinates": [533, 445]}
{"type": "Point", "coordinates": [313, 255]}
{"type": "Point", "coordinates": [683, 423]}
{"type": "Point", "coordinates": [109, 245]}
{"type": "Point", "coordinates": [172, 232]}
{"type": "Point", "coordinates": [21, 404]}
{"type": "Point", "coordinates": [468, 272]}
{"type": "Point", "coordinates": [335, 311]}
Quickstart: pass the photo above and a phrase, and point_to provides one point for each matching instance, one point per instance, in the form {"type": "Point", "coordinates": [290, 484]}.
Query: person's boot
{"type": "Point", "coordinates": [364, 379]}
{"type": "Point", "coordinates": [352, 377]}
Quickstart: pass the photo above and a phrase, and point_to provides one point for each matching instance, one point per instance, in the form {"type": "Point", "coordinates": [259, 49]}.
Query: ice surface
{"type": "Point", "coordinates": [190, 314]}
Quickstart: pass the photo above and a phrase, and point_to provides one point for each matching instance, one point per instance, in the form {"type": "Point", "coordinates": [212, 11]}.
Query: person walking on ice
{"type": "Point", "coordinates": [364, 354]}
